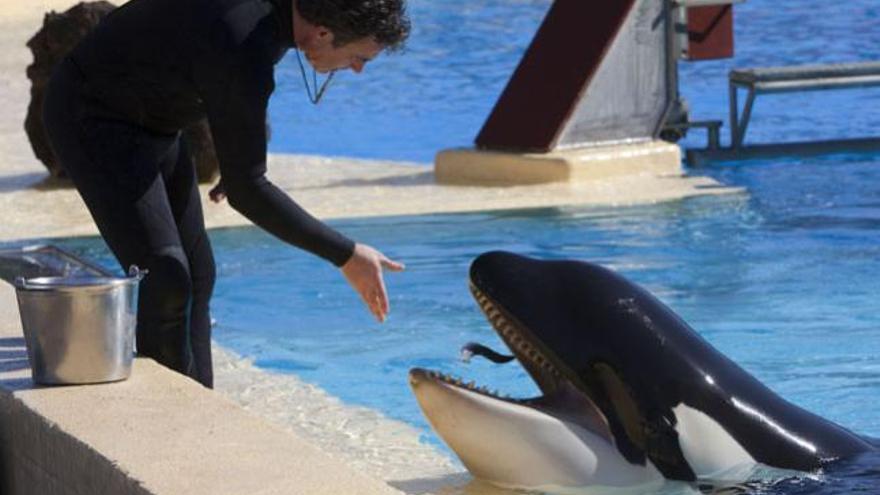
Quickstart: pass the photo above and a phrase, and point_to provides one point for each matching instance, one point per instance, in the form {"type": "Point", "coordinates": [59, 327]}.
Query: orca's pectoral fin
{"type": "Point", "coordinates": [648, 430]}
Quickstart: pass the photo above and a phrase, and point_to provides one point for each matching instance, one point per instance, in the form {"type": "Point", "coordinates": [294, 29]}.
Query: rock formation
{"type": "Point", "coordinates": [59, 34]}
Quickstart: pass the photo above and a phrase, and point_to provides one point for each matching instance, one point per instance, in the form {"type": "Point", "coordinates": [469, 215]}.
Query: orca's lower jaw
{"type": "Point", "coordinates": [558, 394]}
{"type": "Point", "coordinates": [525, 444]}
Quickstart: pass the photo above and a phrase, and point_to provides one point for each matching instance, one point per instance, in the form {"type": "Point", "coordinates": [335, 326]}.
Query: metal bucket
{"type": "Point", "coordinates": [79, 330]}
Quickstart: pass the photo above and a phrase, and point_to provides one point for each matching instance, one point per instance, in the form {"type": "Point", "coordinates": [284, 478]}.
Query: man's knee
{"type": "Point", "coordinates": [204, 271]}
{"type": "Point", "coordinates": [166, 290]}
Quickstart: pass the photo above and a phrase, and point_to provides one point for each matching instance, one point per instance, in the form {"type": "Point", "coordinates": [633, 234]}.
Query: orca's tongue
{"type": "Point", "coordinates": [472, 349]}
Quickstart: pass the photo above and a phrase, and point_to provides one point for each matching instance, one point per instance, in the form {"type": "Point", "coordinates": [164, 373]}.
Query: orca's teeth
{"type": "Point", "coordinates": [511, 335]}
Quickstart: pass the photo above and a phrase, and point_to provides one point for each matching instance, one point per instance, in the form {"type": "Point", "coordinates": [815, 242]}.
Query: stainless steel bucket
{"type": "Point", "coordinates": [79, 330]}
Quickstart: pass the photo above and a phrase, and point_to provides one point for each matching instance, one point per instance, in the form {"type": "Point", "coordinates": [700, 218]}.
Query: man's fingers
{"type": "Point", "coordinates": [377, 302]}
{"type": "Point", "coordinates": [382, 299]}
{"type": "Point", "coordinates": [217, 193]}
{"type": "Point", "coordinates": [376, 308]}
{"type": "Point", "coordinates": [364, 271]}
{"type": "Point", "coordinates": [392, 265]}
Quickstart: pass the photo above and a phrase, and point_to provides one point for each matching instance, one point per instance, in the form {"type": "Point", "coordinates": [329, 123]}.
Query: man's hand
{"type": "Point", "coordinates": [364, 273]}
{"type": "Point", "coordinates": [217, 193]}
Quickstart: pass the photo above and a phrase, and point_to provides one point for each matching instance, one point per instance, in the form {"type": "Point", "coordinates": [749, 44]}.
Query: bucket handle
{"type": "Point", "coordinates": [135, 272]}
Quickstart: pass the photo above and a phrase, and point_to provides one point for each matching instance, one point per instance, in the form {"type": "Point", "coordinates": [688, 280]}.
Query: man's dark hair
{"type": "Point", "coordinates": [385, 21]}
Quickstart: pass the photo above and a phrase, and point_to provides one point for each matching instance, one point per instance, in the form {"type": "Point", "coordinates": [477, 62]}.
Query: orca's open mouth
{"type": "Point", "coordinates": [528, 350]}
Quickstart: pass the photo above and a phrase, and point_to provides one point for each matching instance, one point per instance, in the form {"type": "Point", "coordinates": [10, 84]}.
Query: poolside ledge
{"type": "Point", "coordinates": [480, 167]}
{"type": "Point", "coordinates": [156, 433]}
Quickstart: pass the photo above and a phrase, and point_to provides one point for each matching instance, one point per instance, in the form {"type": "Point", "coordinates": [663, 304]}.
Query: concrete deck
{"type": "Point", "coordinates": [160, 433]}
{"type": "Point", "coordinates": [156, 433]}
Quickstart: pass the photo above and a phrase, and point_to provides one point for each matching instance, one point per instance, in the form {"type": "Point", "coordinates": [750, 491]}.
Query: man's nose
{"type": "Point", "coordinates": [357, 67]}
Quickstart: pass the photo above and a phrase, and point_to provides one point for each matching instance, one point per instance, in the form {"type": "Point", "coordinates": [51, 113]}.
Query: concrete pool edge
{"type": "Point", "coordinates": [362, 437]}
{"type": "Point", "coordinates": [470, 166]}
{"type": "Point", "coordinates": [342, 188]}
{"type": "Point", "coordinates": [156, 433]}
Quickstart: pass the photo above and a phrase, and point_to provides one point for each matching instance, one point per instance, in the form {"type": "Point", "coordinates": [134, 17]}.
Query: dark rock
{"type": "Point", "coordinates": [59, 34]}
{"type": "Point", "coordinates": [201, 150]}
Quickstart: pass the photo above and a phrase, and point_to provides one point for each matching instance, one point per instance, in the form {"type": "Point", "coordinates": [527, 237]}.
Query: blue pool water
{"type": "Point", "coordinates": [782, 278]}
{"type": "Point", "coordinates": [438, 93]}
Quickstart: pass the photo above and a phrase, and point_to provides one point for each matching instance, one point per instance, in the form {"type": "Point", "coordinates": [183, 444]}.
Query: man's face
{"type": "Point", "coordinates": [325, 57]}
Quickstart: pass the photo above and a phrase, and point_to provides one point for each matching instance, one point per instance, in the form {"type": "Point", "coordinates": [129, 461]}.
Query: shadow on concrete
{"type": "Point", "coordinates": [39, 181]}
{"type": "Point", "coordinates": [50, 183]}
{"type": "Point", "coordinates": [450, 484]}
{"type": "Point", "coordinates": [420, 179]}
{"type": "Point", "coordinates": [13, 342]}
{"type": "Point", "coordinates": [16, 384]}
{"type": "Point", "coordinates": [13, 355]}
{"type": "Point", "coordinates": [10, 353]}
{"type": "Point", "coordinates": [14, 365]}
{"type": "Point", "coordinates": [11, 183]}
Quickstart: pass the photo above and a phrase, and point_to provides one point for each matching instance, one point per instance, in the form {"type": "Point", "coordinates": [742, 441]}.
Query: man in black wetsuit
{"type": "Point", "coordinates": [113, 113]}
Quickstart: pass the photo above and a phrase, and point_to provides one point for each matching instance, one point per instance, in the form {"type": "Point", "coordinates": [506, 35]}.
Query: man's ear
{"type": "Point", "coordinates": [323, 36]}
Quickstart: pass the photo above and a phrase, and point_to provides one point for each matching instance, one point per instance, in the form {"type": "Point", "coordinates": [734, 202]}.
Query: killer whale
{"type": "Point", "coordinates": [630, 393]}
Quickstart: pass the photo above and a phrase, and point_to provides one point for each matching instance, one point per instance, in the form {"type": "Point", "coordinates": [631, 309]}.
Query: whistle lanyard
{"type": "Point", "coordinates": [317, 93]}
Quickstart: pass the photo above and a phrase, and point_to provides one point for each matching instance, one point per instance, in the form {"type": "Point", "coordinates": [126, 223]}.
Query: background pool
{"type": "Point", "coordinates": [438, 93]}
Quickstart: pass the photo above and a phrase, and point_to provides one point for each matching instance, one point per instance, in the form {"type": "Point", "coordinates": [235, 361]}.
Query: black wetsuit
{"type": "Point", "coordinates": [113, 112]}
